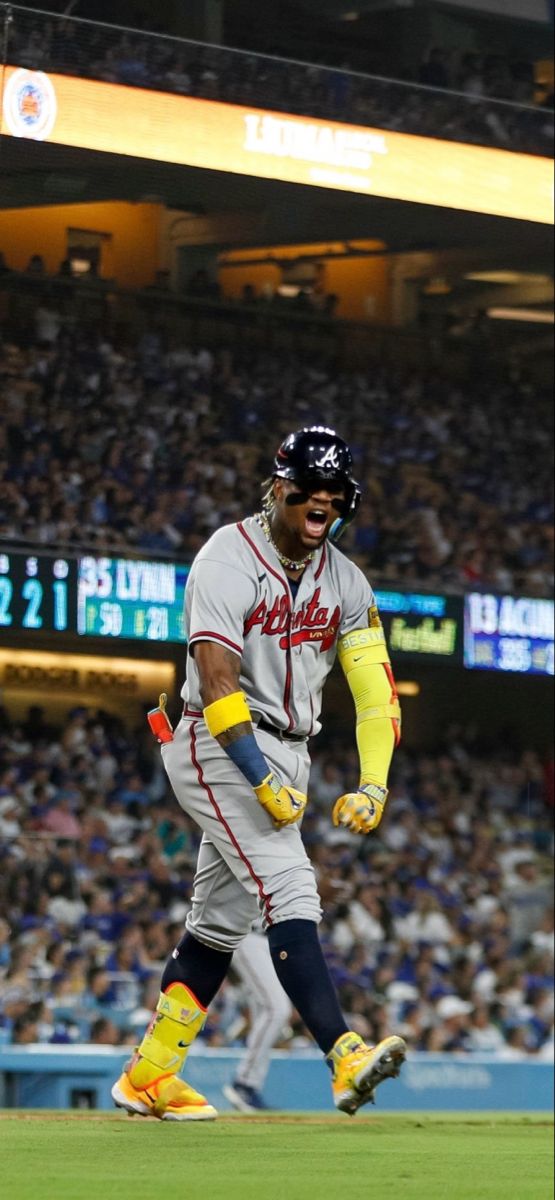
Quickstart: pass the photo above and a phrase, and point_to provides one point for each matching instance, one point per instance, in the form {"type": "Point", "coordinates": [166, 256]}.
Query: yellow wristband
{"type": "Point", "coordinates": [225, 713]}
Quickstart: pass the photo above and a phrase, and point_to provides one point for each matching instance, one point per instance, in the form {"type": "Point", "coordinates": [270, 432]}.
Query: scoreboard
{"type": "Point", "coordinates": [508, 633]}
{"type": "Point", "coordinates": [142, 600]}
{"type": "Point", "coordinates": [92, 597]}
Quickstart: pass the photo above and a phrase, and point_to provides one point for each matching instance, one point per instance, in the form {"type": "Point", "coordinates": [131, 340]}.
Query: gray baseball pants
{"type": "Point", "coordinates": [245, 866]}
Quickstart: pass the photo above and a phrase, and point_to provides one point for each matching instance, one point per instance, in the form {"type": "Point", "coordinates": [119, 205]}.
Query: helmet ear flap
{"type": "Point", "coordinates": [339, 526]}
{"type": "Point", "coordinates": [337, 529]}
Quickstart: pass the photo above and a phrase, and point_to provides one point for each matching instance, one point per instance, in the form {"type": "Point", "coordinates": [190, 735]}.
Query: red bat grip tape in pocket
{"type": "Point", "coordinates": [160, 723]}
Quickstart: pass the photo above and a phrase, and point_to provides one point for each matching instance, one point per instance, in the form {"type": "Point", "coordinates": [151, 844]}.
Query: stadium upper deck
{"type": "Point", "coordinates": [466, 108]}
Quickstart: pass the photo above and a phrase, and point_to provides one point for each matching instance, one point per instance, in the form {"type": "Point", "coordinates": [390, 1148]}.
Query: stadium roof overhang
{"type": "Point", "coordinates": [273, 211]}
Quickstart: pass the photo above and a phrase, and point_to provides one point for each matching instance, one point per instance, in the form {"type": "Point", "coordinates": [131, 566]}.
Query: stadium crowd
{"type": "Point", "coordinates": [440, 926]}
{"type": "Point", "coordinates": [146, 450]}
{"type": "Point", "coordinates": [469, 97]}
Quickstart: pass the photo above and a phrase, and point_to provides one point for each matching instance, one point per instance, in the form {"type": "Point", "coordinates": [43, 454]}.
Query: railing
{"type": "Point", "coordinates": [47, 42]}
{"type": "Point", "coordinates": [125, 314]}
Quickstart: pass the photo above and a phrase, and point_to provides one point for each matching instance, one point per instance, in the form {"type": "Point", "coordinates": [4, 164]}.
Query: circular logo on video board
{"type": "Point", "coordinates": [30, 107]}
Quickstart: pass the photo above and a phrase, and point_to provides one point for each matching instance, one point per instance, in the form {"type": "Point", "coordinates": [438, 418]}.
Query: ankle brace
{"type": "Point", "coordinates": [176, 1023]}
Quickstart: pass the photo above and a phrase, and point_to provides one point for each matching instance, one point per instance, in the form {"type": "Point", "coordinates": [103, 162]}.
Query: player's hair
{"type": "Point", "coordinates": [268, 497]}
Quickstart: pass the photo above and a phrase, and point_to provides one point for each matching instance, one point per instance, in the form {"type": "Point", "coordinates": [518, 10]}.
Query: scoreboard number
{"type": "Point", "coordinates": [36, 593]}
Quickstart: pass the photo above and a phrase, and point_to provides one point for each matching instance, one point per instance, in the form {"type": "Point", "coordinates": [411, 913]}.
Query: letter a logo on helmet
{"type": "Point", "coordinates": [329, 459]}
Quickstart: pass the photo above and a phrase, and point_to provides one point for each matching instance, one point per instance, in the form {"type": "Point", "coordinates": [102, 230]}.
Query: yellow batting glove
{"type": "Point", "coordinates": [285, 805]}
{"type": "Point", "coordinates": [361, 811]}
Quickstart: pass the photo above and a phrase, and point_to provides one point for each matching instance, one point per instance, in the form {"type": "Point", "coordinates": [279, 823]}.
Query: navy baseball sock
{"type": "Point", "coordinates": [302, 971]}
{"type": "Point", "coordinates": [199, 967]}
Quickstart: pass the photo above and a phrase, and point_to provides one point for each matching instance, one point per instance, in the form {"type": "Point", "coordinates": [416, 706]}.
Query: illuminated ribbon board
{"type": "Point", "coordinates": [422, 626]}
{"type": "Point", "coordinates": [508, 633]}
{"type": "Point", "coordinates": [144, 124]}
{"type": "Point", "coordinates": [143, 601]}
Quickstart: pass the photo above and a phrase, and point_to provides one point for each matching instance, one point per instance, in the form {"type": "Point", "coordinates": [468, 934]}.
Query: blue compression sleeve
{"type": "Point", "coordinates": [248, 757]}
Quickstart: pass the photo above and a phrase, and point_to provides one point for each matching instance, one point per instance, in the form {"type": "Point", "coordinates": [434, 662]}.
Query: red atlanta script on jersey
{"type": "Point", "coordinates": [312, 623]}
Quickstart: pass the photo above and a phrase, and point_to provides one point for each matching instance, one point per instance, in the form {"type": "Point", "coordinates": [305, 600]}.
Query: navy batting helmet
{"type": "Point", "coordinates": [318, 456]}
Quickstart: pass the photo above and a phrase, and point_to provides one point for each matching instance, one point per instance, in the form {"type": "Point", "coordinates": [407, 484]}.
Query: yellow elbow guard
{"type": "Point", "coordinates": [365, 661]}
{"type": "Point", "coordinates": [362, 648]}
{"type": "Point", "coordinates": [225, 713]}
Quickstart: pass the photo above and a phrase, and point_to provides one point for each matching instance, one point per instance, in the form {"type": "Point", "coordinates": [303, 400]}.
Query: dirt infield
{"type": "Point", "coordinates": [417, 1121]}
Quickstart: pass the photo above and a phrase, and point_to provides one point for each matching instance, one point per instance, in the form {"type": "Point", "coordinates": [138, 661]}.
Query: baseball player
{"type": "Point", "coordinates": [269, 604]}
{"type": "Point", "coordinates": [270, 1010]}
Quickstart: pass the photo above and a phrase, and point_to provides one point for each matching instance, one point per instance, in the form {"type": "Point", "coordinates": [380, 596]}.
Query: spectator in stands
{"type": "Point", "coordinates": [60, 819]}
{"type": "Point", "coordinates": [36, 266]}
{"type": "Point", "coordinates": [100, 990]}
{"type": "Point", "coordinates": [9, 817]}
{"type": "Point", "coordinates": [527, 896]}
{"type": "Point", "coordinates": [425, 922]}
{"type": "Point", "coordinates": [434, 72]}
{"type": "Point", "coordinates": [471, 76]}
{"type": "Point", "coordinates": [104, 1032]}
{"type": "Point", "coordinates": [452, 1031]}
{"type": "Point", "coordinates": [5, 951]}
{"type": "Point", "coordinates": [203, 286]}
{"type": "Point", "coordinates": [177, 78]}
{"type": "Point", "coordinates": [48, 323]}
{"type": "Point", "coordinates": [484, 1035]}
{"type": "Point", "coordinates": [25, 1031]}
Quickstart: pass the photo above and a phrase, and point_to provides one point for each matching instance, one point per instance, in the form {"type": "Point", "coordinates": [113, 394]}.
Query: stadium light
{"type": "Point", "coordinates": [507, 277]}
{"type": "Point", "coordinates": [408, 687]}
{"type": "Point", "coordinates": [531, 315]}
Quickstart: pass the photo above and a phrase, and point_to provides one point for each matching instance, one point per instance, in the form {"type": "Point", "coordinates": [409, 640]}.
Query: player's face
{"type": "Point", "coordinates": [305, 516]}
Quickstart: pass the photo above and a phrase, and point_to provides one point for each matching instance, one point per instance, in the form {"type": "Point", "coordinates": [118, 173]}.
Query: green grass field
{"type": "Point", "coordinates": [82, 1156]}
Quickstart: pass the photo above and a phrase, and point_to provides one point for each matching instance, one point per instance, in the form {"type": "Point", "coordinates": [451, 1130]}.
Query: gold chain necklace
{"type": "Point", "coordinates": [288, 563]}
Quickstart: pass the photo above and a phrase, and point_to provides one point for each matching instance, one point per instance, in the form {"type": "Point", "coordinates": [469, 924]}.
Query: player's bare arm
{"type": "Point", "coordinates": [228, 718]}
{"type": "Point", "coordinates": [219, 672]}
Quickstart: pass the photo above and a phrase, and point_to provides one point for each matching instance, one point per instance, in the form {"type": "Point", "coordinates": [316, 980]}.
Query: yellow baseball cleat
{"type": "Point", "coordinates": [358, 1069]}
{"type": "Point", "coordinates": [168, 1099]}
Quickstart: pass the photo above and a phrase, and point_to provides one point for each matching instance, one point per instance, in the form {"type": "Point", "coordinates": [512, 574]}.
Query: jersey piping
{"type": "Point", "coordinates": [321, 564]}
{"type": "Point", "coordinates": [208, 635]}
{"type": "Point", "coordinates": [267, 900]}
{"type": "Point", "coordinates": [285, 585]}
{"type": "Point", "coordinates": [261, 558]}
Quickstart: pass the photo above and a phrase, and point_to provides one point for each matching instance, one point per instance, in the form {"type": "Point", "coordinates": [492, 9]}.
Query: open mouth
{"type": "Point", "coordinates": [315, 522]}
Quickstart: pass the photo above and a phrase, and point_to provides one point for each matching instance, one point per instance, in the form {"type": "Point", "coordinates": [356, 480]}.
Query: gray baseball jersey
{"type": "Point", "coordinates": [238, 596]}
